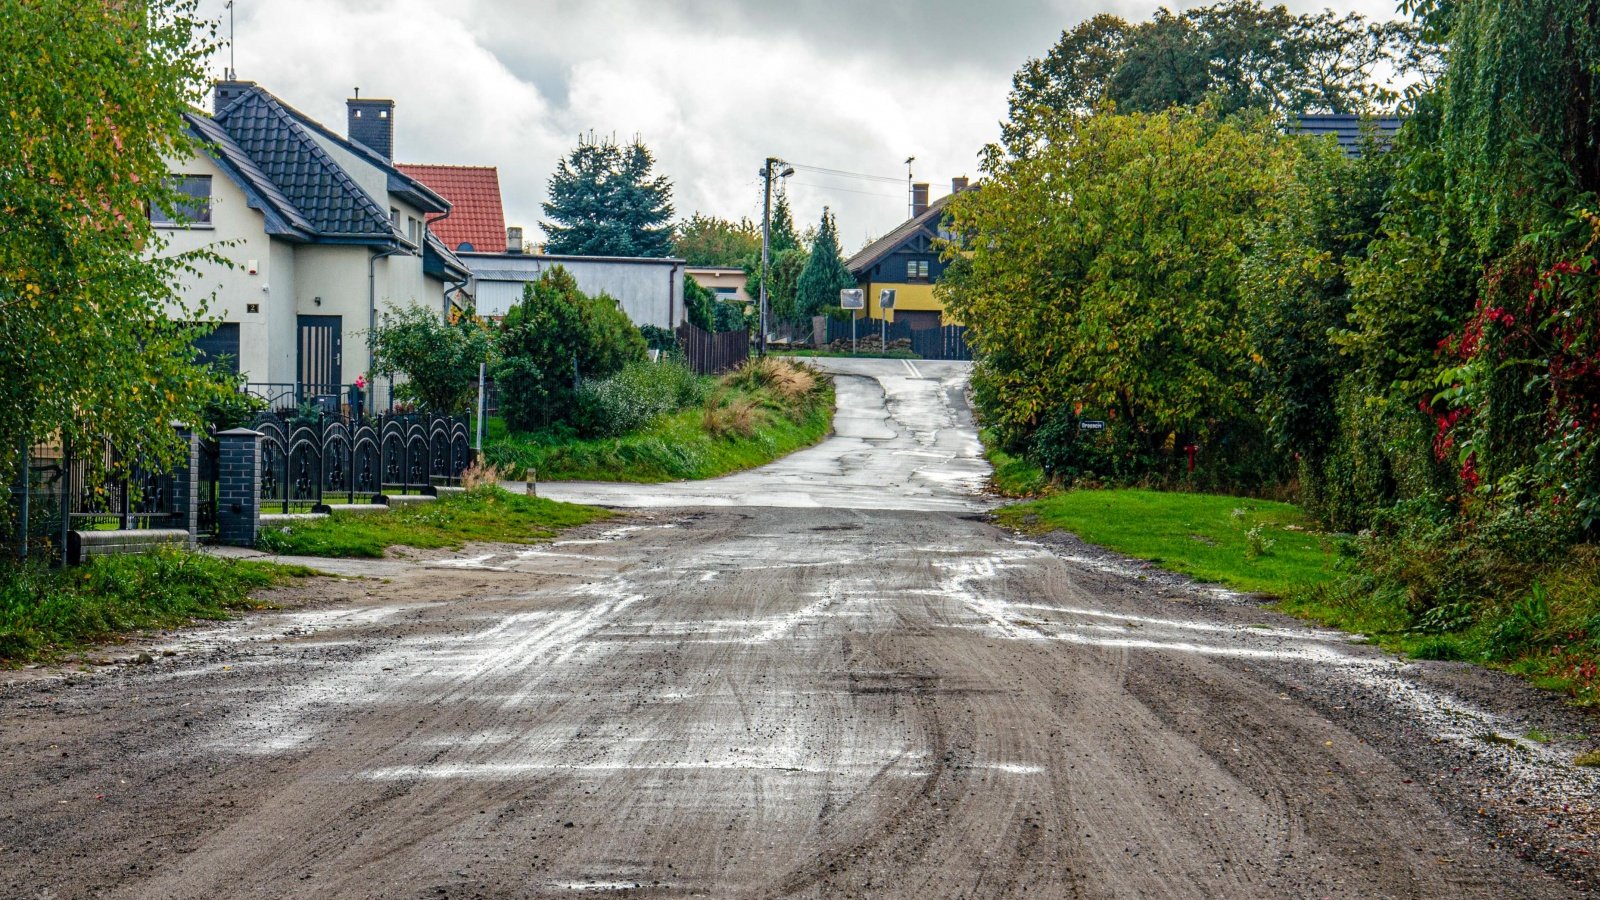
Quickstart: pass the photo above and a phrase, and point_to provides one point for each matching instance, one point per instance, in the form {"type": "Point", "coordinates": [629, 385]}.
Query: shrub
{"type": "Point", "coordinates": [439, 359]}
{"type": "Point", "coordinates": [551, 340]}
{"type": "Point", "coordinates": [630, 399]}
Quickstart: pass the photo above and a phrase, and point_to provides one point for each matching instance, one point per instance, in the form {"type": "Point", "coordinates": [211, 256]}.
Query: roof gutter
{"type": "Point", "coordinates": [459, 286]}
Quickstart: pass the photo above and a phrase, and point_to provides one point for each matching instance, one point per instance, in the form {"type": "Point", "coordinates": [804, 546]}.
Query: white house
{"type": "Point", "coordinates": [325, 233]}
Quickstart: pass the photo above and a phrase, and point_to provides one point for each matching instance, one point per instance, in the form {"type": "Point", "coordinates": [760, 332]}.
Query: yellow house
{"type": "Point", "coordinates": [907, 260]}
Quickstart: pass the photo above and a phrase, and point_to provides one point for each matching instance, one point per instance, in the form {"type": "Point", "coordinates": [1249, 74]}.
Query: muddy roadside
{"type": "Point", "coordinates": [1498, 756]}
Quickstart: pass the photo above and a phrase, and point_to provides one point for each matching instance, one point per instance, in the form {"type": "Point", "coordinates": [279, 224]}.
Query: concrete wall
{"type": "Point", "coordinates": [650, 291]}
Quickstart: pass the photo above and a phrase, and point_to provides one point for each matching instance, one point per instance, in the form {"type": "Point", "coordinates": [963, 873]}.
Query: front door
{"type": "Point", "coordinates": [321, 356]}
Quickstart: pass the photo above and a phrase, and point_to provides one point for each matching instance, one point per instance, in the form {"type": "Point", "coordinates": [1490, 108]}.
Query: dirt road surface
{"type": "Point", "coordinates": [828, 678]}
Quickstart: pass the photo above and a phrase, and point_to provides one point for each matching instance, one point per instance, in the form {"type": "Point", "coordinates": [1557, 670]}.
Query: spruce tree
{"type": "Point", "coordinates": [605, 202]}
{"type": "Point", "coordinates": [824, 275]}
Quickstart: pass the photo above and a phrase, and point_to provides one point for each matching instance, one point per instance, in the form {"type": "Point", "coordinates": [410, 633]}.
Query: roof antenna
{"type": "Point", "coordinates": [358, 93]}
{"type": "Point", "coordinates": [232, 72]}
{"type": "Point", "coordinates": [911, 193]}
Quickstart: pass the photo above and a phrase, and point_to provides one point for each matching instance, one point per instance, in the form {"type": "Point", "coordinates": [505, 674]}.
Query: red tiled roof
{"type": "Point", "coordinates": [476, 216]}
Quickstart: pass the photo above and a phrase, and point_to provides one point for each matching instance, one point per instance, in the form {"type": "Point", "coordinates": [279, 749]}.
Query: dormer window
{"type": "Point", "coordinates": [193, 207]}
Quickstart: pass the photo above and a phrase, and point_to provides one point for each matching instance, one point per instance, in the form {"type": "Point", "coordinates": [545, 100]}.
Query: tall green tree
{"type": "Point", "coordinates": [1102, 275]}
{"type": "Point", "coordinates": [88, 291]}
{"type": "Point", "coordinates": [711, 241]}
{"type": "Point", "coordinates": [605, 201]}
{"type": "Point", "coordinates": [824, 275]}
{"type": "Point", "coordinates": [787, 256]}
{"type": "Point", "coordinates": [1235, 55]}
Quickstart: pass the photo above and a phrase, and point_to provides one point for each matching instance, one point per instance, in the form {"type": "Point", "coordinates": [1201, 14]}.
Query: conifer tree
{"type": "Point", "coordinates": [604, 201]}
{"type": "Point", "coordinates": [824, 275]}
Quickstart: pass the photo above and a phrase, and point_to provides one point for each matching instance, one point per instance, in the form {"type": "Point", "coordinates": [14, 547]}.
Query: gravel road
{"type": "Point", "coordinates": [831, 677]}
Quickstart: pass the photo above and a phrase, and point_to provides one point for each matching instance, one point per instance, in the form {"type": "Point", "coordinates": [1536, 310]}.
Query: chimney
{"type": "Point", "coordinates": [372, 124]}
{"type": "Point", "coordinates": [514, 239]}
{"type": "Point", "coordinates": [919, 198]}
{"type": "Point", "coordinates": [957, 185]}
{"type": "Point", "coordinates": [225, 92]}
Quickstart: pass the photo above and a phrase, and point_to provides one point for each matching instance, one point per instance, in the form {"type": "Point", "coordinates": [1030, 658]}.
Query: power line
{"type": "Point", "coordinates": [843, 174]}
{"type": "Point", "coordinates": [830, 187]}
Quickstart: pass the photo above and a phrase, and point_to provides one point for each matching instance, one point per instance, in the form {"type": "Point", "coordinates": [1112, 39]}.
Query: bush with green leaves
{"type": "Point", "coordinates": [633, 397]}
{"type": "Point", "coordinates": [439, 359]}
{"type": "Point", "coordinates": [551, 341]}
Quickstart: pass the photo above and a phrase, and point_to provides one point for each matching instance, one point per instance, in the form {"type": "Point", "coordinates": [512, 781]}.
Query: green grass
{"type": "Point", "coordinates": [482, 514]}
{"type": "Point", "coordinates": [45, 613]}
{"type": "Point", "coordinates": [1205, 536]}
{"type": "Point", "coordinates": [676, 446]}
{"type": "Point", "coordinates": [1014, 476]}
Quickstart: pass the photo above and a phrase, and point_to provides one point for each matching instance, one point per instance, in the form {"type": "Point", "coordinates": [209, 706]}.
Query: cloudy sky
{"type": "Point", "coordinates": [712, 86]}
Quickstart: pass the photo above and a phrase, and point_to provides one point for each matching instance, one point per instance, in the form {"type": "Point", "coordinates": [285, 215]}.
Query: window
{"type": "Point", "coordinates": [394, 216]}
{"type": "Point", "coordinates": [192, 208]}
{"type": "Point", "coordinates": [917, 270]}
{"type": "Point", "coordinates": [725, 292]}
{"type": "Point", "coordinates": [414, 230]}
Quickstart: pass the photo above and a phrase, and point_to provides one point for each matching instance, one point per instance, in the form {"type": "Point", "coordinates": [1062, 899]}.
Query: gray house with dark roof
{"type": "Point", "coordinates": [325, 233]}
{"type": "Point", "coordinates": [1349, 129]}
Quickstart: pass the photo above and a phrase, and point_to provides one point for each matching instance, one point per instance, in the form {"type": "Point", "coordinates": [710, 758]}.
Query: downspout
{"type": "Point", "coordinates": [672, 298]}
{"type": "Point", "coordinates": [372, 295]}
{"type": "Point", "coordinates": [427, 229]}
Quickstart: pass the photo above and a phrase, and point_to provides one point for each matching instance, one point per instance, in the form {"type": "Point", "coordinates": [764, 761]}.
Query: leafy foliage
{"type": "Point", "coordinates": [439, 359]}
{"type": "Point", "coordinates": [824, 275]}
{"type": "Point", "coordinates": [630, 399]}
{"type": "Point", "coordinates": [552, 339]}
{"type": "Point", "coordinates": [712, 241]}
{"type": "Point", "coordinates": [604, 201]}
{"type": "Point", "coordinates": [86, 286]}
{"type": "Point", "coordinates": [1103, 278]}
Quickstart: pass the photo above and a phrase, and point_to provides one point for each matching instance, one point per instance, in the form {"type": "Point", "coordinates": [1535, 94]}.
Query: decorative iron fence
{"type": "Point", "coordinates": [312, 463]}
{"type": "Point", "coordinates": [285, 398]}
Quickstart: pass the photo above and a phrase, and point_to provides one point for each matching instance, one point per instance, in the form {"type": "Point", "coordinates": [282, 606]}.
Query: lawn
{"type": "Point", "coordinates": [1248, 545]}
{"type": "Point", "coordinates": [1014, 476]}
{"type": "Point", "coordinates": [749, 419]}
{"type": "Point", "coordinates": [482, 514]}
{"type": "Point", "coordinates": [46, 612]}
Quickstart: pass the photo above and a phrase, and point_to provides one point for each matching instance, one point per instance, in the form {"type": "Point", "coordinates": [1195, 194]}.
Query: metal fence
{"type": "Point", "coordinates": [712, 353]}
{"type": "Point", "coordinates": [372, 399]}
{"type": "Point", "coordinates": [312, 462]}
{"type": "Point", "coordinates": [943, 342]}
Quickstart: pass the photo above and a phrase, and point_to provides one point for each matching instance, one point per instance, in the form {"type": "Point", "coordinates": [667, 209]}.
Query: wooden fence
{"type": "Point", "coordinates": [711, 353]}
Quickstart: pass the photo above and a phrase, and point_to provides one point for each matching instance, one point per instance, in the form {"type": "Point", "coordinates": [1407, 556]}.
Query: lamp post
{"type": "Point", "coordinates": [766, 238]}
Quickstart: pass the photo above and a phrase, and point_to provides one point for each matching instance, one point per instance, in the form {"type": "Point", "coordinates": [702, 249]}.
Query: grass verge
{"type": "Point", "coordinates": [482, 514]}
{"type": "Point", "coordinates": [1248, 545]}
{"type": "Point", "coordinates": [45, 613]}
{"type": "Point", "coordinates": [752, 417]}
{"type": "Point", "coordinates": [1014, 476]}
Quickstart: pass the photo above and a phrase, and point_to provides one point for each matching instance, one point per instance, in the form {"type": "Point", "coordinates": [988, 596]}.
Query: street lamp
{"type": "Point", "coordinates": [766, 237]}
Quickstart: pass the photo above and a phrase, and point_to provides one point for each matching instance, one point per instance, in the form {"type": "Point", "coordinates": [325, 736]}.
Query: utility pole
{"type": "Point", "coordinates": [766, 238]}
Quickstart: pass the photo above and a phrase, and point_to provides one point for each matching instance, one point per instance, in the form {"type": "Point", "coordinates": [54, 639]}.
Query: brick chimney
{"type": "Point", "coordinates": [225, 92]}
{"type": "Point", "coordinates": [371, 123]}
{"type": "Point", "coordinates": [958, 184]}
{"type": "Point", "coordinates": [919, 198]}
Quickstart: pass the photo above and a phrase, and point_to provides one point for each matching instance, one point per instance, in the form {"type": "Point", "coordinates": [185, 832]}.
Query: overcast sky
{"type": "Point", "coordinates": [712, 86]}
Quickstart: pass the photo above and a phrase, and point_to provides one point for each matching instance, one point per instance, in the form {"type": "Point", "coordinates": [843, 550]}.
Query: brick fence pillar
{"type": "Point", "coordinates": [186, 484]}
{"type": "Point", "coordinates": [238, 486]}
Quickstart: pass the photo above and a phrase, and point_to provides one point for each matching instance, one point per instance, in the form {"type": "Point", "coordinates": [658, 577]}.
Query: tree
{"type": "Point", "coordinates": [1102, 277]}
{"type": "Point", "coordinates": [824, 275]}
{"type": "Point", "coordinates": [783, 234]}
{"type": "Point", "coordinates": [89, 309]}
{"type": "Point", "coordinates": [711, 241]}
{"type": "Point", "coordinates": [439, 359]}
{"type": "Point", "coordinates": [786, 259]}
{"type": "Point", "coordinates": [605, 202]}
{"type": "Point", "coordinates": [553, 338]}
{"type": "Point", "coordinates": [1235, 55]}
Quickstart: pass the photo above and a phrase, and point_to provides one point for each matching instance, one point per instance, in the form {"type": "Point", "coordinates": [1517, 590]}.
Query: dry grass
{"type": "Point", "coordinates": [480, 473]}
{"type": "Point", "coordinates": [737, 418]}
{"type": "Point", "coordinates": [784, 377]}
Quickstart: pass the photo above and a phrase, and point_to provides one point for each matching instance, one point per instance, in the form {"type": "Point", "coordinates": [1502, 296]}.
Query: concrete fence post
{"type": "Point", "coordinates": [238, 487]}
{"type": "Point", "coordinates": [186, 484]}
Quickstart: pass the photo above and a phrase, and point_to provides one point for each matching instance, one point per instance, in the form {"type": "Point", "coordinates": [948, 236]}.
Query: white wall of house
{"type": "Point", "coordinates": [650, 291]}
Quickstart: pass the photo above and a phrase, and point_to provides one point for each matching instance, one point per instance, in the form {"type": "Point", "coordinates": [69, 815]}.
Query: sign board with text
{"type": "Point", "coordinates": [1092, 425]}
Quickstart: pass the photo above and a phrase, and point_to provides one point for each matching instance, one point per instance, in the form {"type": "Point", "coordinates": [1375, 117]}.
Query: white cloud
{"type": "Point", "coordinates": [712, 87]}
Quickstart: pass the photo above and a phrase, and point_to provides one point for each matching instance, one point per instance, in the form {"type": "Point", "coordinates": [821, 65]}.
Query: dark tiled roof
{"type": "Point", "coordinates": [476, 215]}
{"type": "Point", "coordinates": [1348, 128]}
{"type": "Point", "coordinates": [283, 219]}
{"type": "Point", "coordinates": [878, 249]}
{"type": "Point", "coordinates": [272, 137]}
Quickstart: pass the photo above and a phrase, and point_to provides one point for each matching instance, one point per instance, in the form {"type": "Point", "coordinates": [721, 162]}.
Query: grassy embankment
{"type": "Point", "coordinates": [1549, 634]}
{"type": "Point", "coordinates": [749, 418]}
{"type": "Point", "coordinates": [485, 513]}
{"type": "Point", "coordinates": [47, 613]}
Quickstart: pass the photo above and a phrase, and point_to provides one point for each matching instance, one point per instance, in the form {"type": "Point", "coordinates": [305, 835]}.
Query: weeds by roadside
{"type": "Point", "coordinates": [46, 612]}
{"type": "Point", "coordinates": [483, 513]}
